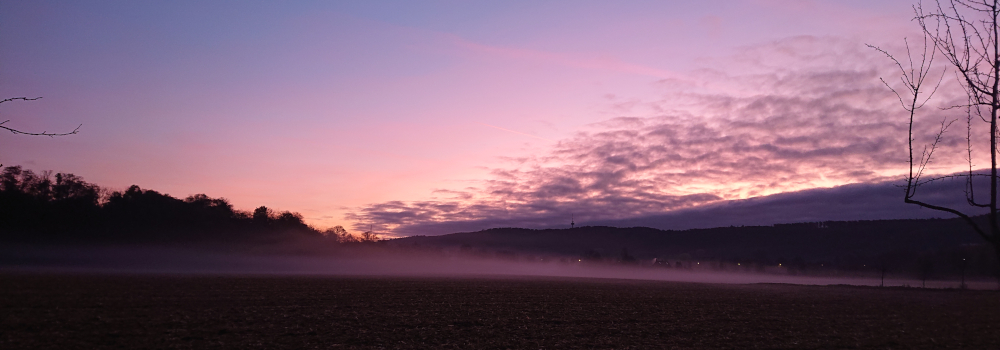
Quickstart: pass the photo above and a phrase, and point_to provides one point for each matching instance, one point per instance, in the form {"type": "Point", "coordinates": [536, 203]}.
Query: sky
{"type": "Point", "coordinates": [403, 115]}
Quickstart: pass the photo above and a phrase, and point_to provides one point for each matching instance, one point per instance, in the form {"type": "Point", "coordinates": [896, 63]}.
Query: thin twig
{"type": "Point", "coordinates": [43, 133]}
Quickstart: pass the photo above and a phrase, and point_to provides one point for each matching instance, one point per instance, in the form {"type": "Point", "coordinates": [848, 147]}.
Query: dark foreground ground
{"type": "Point", "coordinates": [55, 311]}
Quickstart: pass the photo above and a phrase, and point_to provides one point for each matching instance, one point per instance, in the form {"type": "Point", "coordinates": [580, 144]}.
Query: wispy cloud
{"type": "Point", "coordinates": [777, 129]}
{"type": "Point", "coordinates": [518, 132]}
{"type": "Point", "coordinates": [598, 63]}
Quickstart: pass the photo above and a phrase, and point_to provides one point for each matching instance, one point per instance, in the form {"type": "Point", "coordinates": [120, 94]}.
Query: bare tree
{"type": "Point", "coordinates": [965, 34]}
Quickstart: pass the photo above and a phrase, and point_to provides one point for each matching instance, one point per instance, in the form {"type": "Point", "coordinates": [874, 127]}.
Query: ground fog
{"type": "Point", "coordinates": [375, 260]}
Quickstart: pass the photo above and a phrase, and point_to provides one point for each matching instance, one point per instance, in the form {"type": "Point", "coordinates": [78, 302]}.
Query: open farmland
{"type": "Point", "coordinates": [62, 311]}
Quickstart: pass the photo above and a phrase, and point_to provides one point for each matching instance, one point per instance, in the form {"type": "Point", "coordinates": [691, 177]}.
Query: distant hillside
{"type": "Point", "coordinates": [834, 241]}
{"type": "Point", "coordinates": [850, 202]}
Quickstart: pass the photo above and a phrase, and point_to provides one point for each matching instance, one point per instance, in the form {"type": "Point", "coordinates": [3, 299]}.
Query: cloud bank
{"type": "Point", "coordinates": [788, 116]}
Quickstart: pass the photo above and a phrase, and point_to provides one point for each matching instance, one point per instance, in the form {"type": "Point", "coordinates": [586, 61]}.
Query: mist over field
{"type": "Point", "coordinates": [303, 258]}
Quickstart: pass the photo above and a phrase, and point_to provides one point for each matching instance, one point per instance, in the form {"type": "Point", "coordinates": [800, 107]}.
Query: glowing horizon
{"type": "Point", "coordinates": [395, 114]}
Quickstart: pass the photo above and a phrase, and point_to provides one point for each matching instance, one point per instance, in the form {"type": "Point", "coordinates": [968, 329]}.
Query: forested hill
{"type": "Point", "coordinates": [41, 208]}
{"type": "Point", "coordinates": [809, 242]}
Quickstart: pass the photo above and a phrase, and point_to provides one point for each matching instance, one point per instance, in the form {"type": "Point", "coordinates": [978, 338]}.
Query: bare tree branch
{"type": "Point", "coordinates": [967, 35]}
{"type": "Point", "coordinates": [43, 133]}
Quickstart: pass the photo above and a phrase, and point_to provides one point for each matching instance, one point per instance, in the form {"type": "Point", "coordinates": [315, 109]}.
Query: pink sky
{"type": "Point", "coordinates": [395, 113]}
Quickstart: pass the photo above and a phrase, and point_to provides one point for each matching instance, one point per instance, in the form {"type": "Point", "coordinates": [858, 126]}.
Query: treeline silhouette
{"type": "Point", "coordinates": [929, 246]}
{"type": "Point", "coordinates": [42, 208]}
{"type": "Point", "coordinates": [64, 209]}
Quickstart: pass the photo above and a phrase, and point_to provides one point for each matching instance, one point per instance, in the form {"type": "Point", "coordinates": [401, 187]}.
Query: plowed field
{"type": "Point", "coordinates": [53, 311]}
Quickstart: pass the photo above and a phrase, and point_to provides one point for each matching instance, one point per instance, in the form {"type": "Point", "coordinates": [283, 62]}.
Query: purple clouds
{"type": "Point", "coordinates": [738, 136]}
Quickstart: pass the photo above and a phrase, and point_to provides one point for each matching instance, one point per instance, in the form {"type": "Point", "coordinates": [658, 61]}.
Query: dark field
{"type": "Point", "coordinates": [174, 311]}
